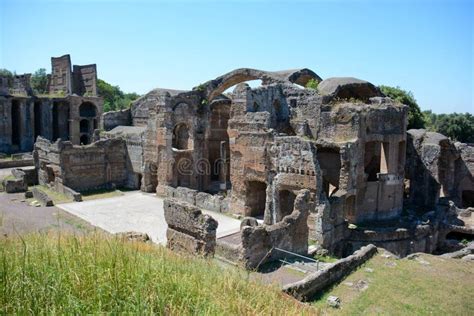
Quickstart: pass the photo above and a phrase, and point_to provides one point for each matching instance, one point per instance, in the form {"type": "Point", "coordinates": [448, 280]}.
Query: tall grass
{"type": "Point", "coordinates": [64, 274]}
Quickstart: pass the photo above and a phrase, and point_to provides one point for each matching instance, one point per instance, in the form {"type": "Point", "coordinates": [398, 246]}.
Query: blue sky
{"type": "Point", "coordinates": [420, 45]}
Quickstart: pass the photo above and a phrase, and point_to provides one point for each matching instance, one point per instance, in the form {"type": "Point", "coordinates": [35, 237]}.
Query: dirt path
{"type": "Point", "coordinates": [17, 217]}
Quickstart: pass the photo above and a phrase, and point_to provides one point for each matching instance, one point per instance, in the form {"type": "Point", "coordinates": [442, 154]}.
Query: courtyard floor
{"type": "Point", "coordinates": [137, 211]}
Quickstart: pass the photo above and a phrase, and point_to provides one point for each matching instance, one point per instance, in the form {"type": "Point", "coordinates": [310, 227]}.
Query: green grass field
{"type": "Point", "coordinates": [64, 274]}
{"type": "Point", "coordinates": [428, 286]}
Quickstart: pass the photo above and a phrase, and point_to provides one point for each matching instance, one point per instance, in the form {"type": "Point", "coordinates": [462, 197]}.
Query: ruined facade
{"type": "Point", "coordinates": [337, 159]}
{"type": "Point", "coordinates": [71, 109]}
{"type": "Point", "coordinates": [102, 164]}
{"type": "Point", "coordinates": [344, 142]}
{"type": "Point", "coordinates": [438, 168]}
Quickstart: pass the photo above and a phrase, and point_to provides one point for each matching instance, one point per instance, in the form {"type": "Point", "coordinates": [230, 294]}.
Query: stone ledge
{"type": "Point", "coordinates": [42, 197]}
{"type": "Point", "coordinates": [16, 163]}
{"type": "Point", "coordinates": [313, 284]}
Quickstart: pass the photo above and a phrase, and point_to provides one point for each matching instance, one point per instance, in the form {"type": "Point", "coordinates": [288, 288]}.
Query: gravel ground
{"type": "Point", "coordinates": [17, 217]}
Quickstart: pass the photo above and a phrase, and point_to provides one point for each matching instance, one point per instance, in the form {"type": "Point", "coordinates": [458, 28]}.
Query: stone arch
{"type": "Point", "coordinates": [215, 87]}
{"type": "Point", "coordinates": [87, 109]}
{"type": "Point", "coordinates": [182, 108]}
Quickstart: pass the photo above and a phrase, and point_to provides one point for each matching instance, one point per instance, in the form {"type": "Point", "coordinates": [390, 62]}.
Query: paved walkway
{"type": "Point", "coordinates": [137, 211]}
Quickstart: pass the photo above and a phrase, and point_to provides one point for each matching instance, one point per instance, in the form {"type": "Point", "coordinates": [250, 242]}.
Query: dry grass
{"type": "Point", "coordinates": [64, 274]}
{"type": "Point", "coordinates": [406, 287]}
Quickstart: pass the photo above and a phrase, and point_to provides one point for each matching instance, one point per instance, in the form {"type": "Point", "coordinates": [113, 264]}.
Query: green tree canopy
{"type": "Point", "coordinates": [415, 117]}
{"type": "Point", "coordinates": [114, 98]}
{"type": "Point", "coordinates": [457, 126]}
{"type": "Point", "coordinates": [5, 73]}
{"type": "Point", "coordinates": [39, 81]}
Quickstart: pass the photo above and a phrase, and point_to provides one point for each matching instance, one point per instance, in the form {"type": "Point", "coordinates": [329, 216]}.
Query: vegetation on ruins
{"type": "Point", "coordinates": [114, 98]}
{"type": "Point", "coordinates": [65, 274]}
{"type": "Point", "coordinates": [415, 117]}
{"type": "Point", "coordinates": [312, 84]}
{"type": "Point", "coordinates": [39, 81]}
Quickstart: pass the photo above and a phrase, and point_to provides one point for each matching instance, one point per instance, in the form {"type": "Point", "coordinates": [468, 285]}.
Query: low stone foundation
{"type": "Point", "coordinates": [42, 197]}
{"type": "Point", "coordinates": [313, 284]}
{"type": "Point", "coordinates": [400, 241]}
{"type": "Point", "coordinates": [14, 185]}
{"type": "Point", "coordinates": [189, 230]}
{"type": "Point", "coordinates": [29, 176]}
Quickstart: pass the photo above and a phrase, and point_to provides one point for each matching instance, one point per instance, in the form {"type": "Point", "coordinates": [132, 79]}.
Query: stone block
{"type": "Point", "coordinates": [14, 185]}
{"type": "Point", "coordinates": [42, 197]}
{"type": "Point", "coordinates": [188, 229]}
{"type": "Point", "coordinates": [209, 202]}
{"type": "Point", "coordinates": [186, 195]}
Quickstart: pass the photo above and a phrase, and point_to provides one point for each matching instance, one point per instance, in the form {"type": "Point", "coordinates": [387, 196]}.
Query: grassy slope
{"type": "Point", "coordinates": [442, 287]}
{"type": "Point", "coordinates": [69, 275]}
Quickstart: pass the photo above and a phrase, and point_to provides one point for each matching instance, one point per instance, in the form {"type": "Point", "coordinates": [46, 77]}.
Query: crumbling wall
{"type": "Point", "coordinates": [112, 119]}
{"type": "Point", "coordinates": [290, 234]}
{"type": "Point", "coordinates": [21, 85]}
{"type": "Point", "coordinates": [189, 230]}
{"type": "Point", "coordinates": [57, 115]}
{"type": "Point", "coordinates": [134, 138]}
{"type": "Point", "coordinates": [436, 167]}
{"type": "Point", "coordinates": [464, 175]}
{"type": "Point", "coordinates": [61, 75]}
{"type": "Point", "coordinates": [85, 80]}
{"type": "Point", "coordinates": [103, 164]}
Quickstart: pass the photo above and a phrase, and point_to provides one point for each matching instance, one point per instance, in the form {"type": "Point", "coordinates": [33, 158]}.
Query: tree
{"type": "Point", "coordinates": [5, 73]}
{"type": "Point", "coordinates": [415, 118]}
{"type": "Point", "coordinates": [39, 81]}
{"type": "Point", "coordinates": [114, 97]}
{"type": "Point", "coordinates": [457, 126]}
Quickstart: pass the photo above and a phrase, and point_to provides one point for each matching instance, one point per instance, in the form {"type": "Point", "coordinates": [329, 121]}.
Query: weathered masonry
{"type": "Point", "coordinates": [334, 166]}
{"type": "Point", "coordinates": [344, 142]}
{"type": "Point", "coordinates": [71, 109]}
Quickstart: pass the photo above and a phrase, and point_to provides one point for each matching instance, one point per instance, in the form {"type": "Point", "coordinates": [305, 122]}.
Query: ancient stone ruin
{"type": "Point", "coordinates": [334, 166]}
{"type": "Point", "coordinates": [70, 110]}
{"type": "Point", "coordinates": [251, 151]}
